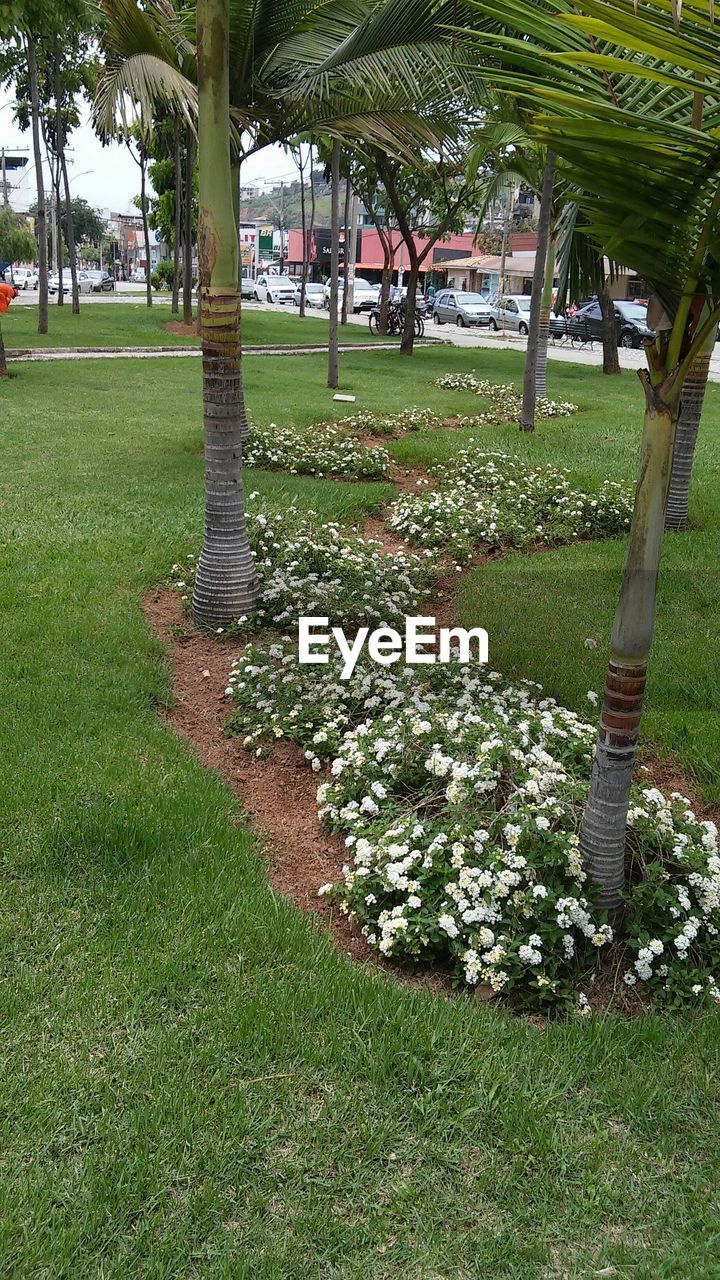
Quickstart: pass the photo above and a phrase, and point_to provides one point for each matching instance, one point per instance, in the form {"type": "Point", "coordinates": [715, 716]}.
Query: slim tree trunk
{"type": "Point", "coordinates": [59, 239]}
{"type": "Point", "coordinates": [603, 832]}
{"type": "Point", "coordinates": [350, 256]}
{"type": "Point", "coordinates": [611, 362]}
{"type": "Point", "coordinates": [41, 226]}
{"type": "Point", "coordinates": [303, 231]}
{"type": "Point", "coordinates": [187, 225]}
{"type": "Point", "coordinates": [3, 361]}
{"type": "Point", "coordinates": [691, 406]}
{"type": "Point", "coordinates": [226, 585]}
{"type": "Point", "coordinates": [333, 373]}
{"type": "Point", "coordinates": [62, 162]}
{"type": "Point", "coordinates": [407, 342]}
{"type": "Point", "coordinates": [385, 285]}
{"type": "Point", "coordinates": [544, 325]}
{"type": "Point", "coordinates": [146, 228]}
{"type": "Point", "coordinates": [346, 300]}
{"type": "Point", "coordinates": [177, 230]}
{"type": "Point", "coordinates": [527, 416]}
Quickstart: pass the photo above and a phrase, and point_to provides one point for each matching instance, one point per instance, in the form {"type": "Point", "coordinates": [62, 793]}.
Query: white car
{"type": "Point", "coordinates": [85, 282]}
{"type": "Point", "coordinates": [270, 288]}
{"type": "Point", "coordinates": [314, 295]}
{"type": "Point", "coordinates": [365, 295]}
{"type": "Point", "coordinates": [22, 277]}
{"type": "Point", "coordinates": [512, 312]}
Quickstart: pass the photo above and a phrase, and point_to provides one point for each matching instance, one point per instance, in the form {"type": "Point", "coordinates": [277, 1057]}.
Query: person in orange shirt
{"type": "Point", "coordinates": [7, 293]}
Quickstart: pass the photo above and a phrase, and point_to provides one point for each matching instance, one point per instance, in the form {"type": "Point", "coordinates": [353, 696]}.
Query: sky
{"type": "Point", "coordinates": [107, 177]}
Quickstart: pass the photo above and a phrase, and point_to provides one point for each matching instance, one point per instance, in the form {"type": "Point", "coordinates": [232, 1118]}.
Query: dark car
{"type": "Point", "coordinates": [630, 323]}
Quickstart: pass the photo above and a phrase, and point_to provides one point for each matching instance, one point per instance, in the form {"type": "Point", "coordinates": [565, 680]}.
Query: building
{"type": "Point", "coordinates": [16, 188]}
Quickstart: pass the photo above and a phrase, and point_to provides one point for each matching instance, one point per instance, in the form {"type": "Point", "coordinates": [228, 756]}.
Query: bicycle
{"type": "Point", "coordinates": [395, 321]}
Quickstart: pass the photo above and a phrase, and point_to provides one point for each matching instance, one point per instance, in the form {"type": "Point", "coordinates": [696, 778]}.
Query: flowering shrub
{"type": "Point", "coordinates": [459, 795]}
{"type": "Point", "coordinates": [391, 424]}
{"type": "Point", "coordinates": [307, 566]}
{"type": "Point", "coordinates": [505, 399]}
{"type": "Point", "coordinates": [495, 499]}
{"type": "Point", "coordinates": [322, 450]}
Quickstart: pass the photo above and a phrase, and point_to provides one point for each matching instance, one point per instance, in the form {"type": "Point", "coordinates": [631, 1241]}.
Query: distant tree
{"type": "Point", "coordinates": [89, 226]}
{"type": "Point", "coordinates": [17, 242]}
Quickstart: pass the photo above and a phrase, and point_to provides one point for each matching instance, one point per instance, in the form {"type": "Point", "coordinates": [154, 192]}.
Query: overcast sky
{"type": "Point", "coordinates": [107, 177]}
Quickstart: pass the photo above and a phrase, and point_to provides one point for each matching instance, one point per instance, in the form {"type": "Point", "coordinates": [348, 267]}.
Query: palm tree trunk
{"type": "Point", "coordinates": [611, 361]}
{"type": "Point", "coordinates": [41, 225]}
{"type": "Point", "coordinates": [544, 325]}
{"type": "Point", "coordinates": [187, 225]}
{"type": "Point", "coordinates": [691, 406]}
{"type": "Point", "coordinates": [333, 372]}
{"type": "Point", "coordinates": [226, 585]}
{"type": "Point", "coordinates": [527, 417]}
{"type": "Point", "coordinates": [603, 832]}
{"type": "Point", "coordinates": [146, 228]}
{"type": "Point", "coordinates": [175, 305]}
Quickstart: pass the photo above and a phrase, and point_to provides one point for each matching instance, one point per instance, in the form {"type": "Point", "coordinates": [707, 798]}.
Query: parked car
{"type": "Point", "coordinates": [630, 323]}
{"type": "Point", "coordinates": [269, 288]}
{"type": "Point", "coordinates": [100, 281]}
{"type": "Point", "coordinates": [137, 276]}
{"type": "Point", "coordinates": [453, 306]}
{"type": "Point", "coordinates": [314, 295]}
{"type": "Point", "coordinates": [247, 287]}
{"type": "Point", "coordinates": [511, 312]}
{"type": "Point", "coordinates": [365, 295]}
{"type": "Point", "coordinates": [22, 277]}
{"type": "Point", "coordinates": [85, 283]}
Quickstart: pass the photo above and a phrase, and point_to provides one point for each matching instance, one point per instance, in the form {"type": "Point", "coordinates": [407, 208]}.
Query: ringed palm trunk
{"type": "Point", "coordinates": [226, 585]}
{"type": "Point", "coordinates": [603, 831]}
{"type": "Point", "coordinates": [544, 325]}
{"type": "Point", "coordinates": [527, 417]}
{"type": "Point", "coordinates": [333, 371]}
{"type": "Point", "coordinates": [691, 407]}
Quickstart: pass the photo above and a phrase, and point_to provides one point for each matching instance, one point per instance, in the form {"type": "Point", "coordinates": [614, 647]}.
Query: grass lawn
{"type": "Point", "coordinates": [133, 324]}
{"type": "Point", "coordinates": [195, 1084]}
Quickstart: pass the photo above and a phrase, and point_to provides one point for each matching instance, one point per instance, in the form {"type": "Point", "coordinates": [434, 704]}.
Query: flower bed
{"type": "Point", "coordinates": [311, 567]}
{"type": "Point", "coordinates": [495, 499]}
{"type": "Point", "coordinates": [321, 450]}
{"type": "Point", "coordinates": [366, 422]}
{"type": "Point", "coordinates": [505, 400]}
{"type": "Point", "coordinates": [459, 795]}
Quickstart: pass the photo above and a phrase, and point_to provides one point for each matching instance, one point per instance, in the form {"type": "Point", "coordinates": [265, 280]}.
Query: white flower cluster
{"type": "Point", "coordinates": [493, 498]}
{"type": "Point", "coordinates": [505, 401]}
{"type": "Point", "coordinates": [308, 566]}
{"type": "Point", "coordinates": [367, 422]}
{"type": "Point", "coordinates": [321, 450]}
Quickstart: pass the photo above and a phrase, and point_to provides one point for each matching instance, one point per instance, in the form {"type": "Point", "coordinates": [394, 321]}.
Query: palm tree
{"type": "Point", "coordinates": [349, 69]}
{"type": "Point", "coordinates": [648, 184]}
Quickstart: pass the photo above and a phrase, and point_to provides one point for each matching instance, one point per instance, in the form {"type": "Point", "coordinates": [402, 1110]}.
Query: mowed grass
{"type": "Point", "coordinates": [133, 324]}
{"type": "Point", "coordinates": [195, 1084]}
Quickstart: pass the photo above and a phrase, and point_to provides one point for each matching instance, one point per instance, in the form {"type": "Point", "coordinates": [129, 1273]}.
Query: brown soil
{"type": "Point", "coordinates": [181, 329]}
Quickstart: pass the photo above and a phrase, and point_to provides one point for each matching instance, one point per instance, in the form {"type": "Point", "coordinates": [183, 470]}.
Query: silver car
{"type": "Point", "coordinates": [512, 312]}
{"type": "Point", "coordinates": [314, 295]}
{"type": "Point", "coordinates": [455, 306]}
